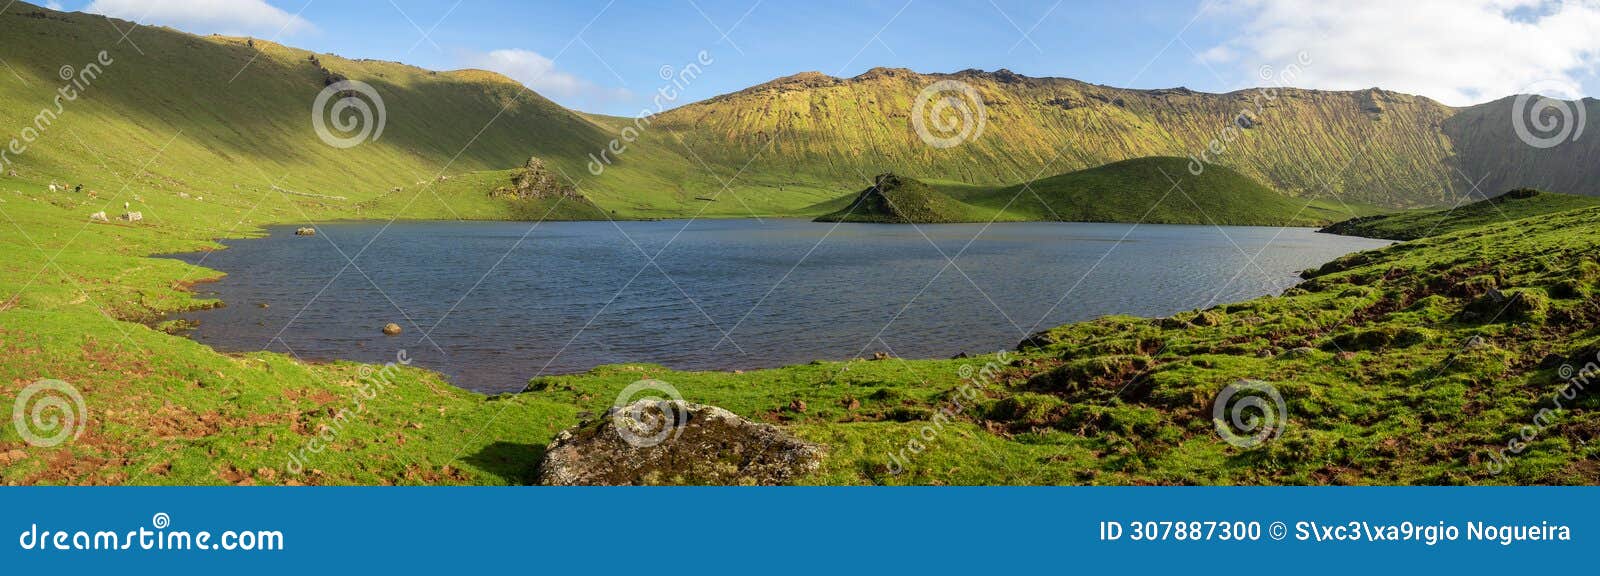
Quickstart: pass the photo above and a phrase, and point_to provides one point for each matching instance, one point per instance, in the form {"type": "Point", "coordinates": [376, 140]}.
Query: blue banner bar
{"type": "Point", "coordinates": [797, 530]}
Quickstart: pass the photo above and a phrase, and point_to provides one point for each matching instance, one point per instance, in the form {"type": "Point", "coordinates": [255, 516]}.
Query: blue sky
{"type": "Point", "coordinates": [606, 58]}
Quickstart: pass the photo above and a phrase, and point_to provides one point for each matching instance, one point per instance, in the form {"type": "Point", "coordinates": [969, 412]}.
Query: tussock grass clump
{"type": "Point", "coordinates": [1027, 408]}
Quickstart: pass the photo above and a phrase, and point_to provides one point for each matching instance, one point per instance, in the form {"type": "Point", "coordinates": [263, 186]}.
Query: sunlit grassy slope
{"type": "Point", "coordinates": [1365, 146]}
{"type": "Point", "coordinates": [224, 117]}
{"type": "Point", "coordinates": [1397, 366]}
{"type": "Point", "coordinates": [1413, 364]}
{"type": "Point", "coordinates": [1410, 364]}
{"type": "Point", "coordinates": [811, 128]}
{"type": "Point", "coordinates": [1514, 205]}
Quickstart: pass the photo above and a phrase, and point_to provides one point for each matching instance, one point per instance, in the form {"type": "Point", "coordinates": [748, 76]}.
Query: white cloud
{"type": "Point", "coordinates": [232, 17]}
{"type": "Point", "coordinates": [540, 74]}
{"type": "Point", "coordinates": [1459, 52]}
{"type": "Point", "coordinates": [53, 6]}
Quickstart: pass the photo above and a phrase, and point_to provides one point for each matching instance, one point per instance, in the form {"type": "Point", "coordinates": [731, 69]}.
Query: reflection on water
{"type": "Point", "coordinates": [491, 304]}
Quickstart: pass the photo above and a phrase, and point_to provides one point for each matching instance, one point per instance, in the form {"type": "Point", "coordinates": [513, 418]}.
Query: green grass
{"type": "Point", "coordinates": [1513, 205]}
{"type": "Point", "coordinates": [1397, 366]}
{"type": "Point", "coordinates": [466, 197]}
{"type": "Point", "coordinates": [1162, 190]}
{"type": "Point", "coordinates": [230, 118]}
{"type": "Point", "coordinates": [1117, 400]}
{"type": "Point", "coordinates": [1159, 190]}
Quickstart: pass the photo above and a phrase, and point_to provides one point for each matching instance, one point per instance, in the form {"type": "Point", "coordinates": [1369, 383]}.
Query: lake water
{"type": "Point", "coordinates": [492, 304]}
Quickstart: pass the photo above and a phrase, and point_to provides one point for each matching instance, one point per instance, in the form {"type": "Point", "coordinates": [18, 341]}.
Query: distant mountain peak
{"type": "Point", "coordinates": [885, 72]}
{"type": "Point", "coordinates": [799, 81]}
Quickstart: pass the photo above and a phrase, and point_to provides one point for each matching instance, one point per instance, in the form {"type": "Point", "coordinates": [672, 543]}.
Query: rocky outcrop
{"type": "Point", "coordinates": [655, 442]}
{"type": "Point", "coordinates": [535, 181]}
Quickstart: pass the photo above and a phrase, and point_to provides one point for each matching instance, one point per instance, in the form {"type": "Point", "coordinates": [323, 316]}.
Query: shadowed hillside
{"type": "Point", "coordinates": [1514, 205]}
{"type": "Point", "coordinates": [231, 117]}
{"type": "Point", "coordinates": [1147, 190]}
{"type": "Point", "coordinates": [1488, 147]}
{"type": "Point", "coordinates": [1162, 191]}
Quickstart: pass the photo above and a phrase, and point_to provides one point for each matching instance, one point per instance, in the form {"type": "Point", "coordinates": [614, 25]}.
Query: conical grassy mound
{"type": "Point", "coordinates": [899, 200]}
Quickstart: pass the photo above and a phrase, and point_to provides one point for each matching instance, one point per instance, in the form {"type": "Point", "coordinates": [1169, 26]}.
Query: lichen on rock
{"type": "Point", "coordinates": [671, 442]}
{"type": "Point", "coordinates": [535, 180]}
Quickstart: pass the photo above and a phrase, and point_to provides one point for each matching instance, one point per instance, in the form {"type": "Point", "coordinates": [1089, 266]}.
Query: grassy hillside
{"type": "Point", "coordinates": [1410, 364]}
{"type": "Point", "coordinates": [1149, 190]}
{"type": "Point", "coordinates": [236, 113]}
{"type": "Point", "coordinates": [1163, 191]}
{"type": "Point", "coordinates": [1414, 364]}
{"type": "Point", "coordinates": [1514, 205]}
{"type": "Point", "coordinates": [229, 118]}
{"type": "Point", "coordinates": [1406, 365]}
{"type": "Point", "coordinates": [1488, 148]}
{"type": "Point", "coordinates": [1373, 146]}
{"type": "Point", "coordinates": [1365, 146]}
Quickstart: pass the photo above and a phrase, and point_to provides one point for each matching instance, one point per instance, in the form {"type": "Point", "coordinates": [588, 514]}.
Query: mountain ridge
{"type": "Point", "coordinates": [775, 148]}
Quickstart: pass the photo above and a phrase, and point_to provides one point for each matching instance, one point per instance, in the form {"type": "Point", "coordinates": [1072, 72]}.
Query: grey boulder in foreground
{"type": "Point", "coordinates": [652, 442]}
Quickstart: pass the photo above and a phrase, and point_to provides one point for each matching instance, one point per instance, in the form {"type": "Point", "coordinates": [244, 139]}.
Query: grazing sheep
{"type": "Point", "coordinates": [99, 217]}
